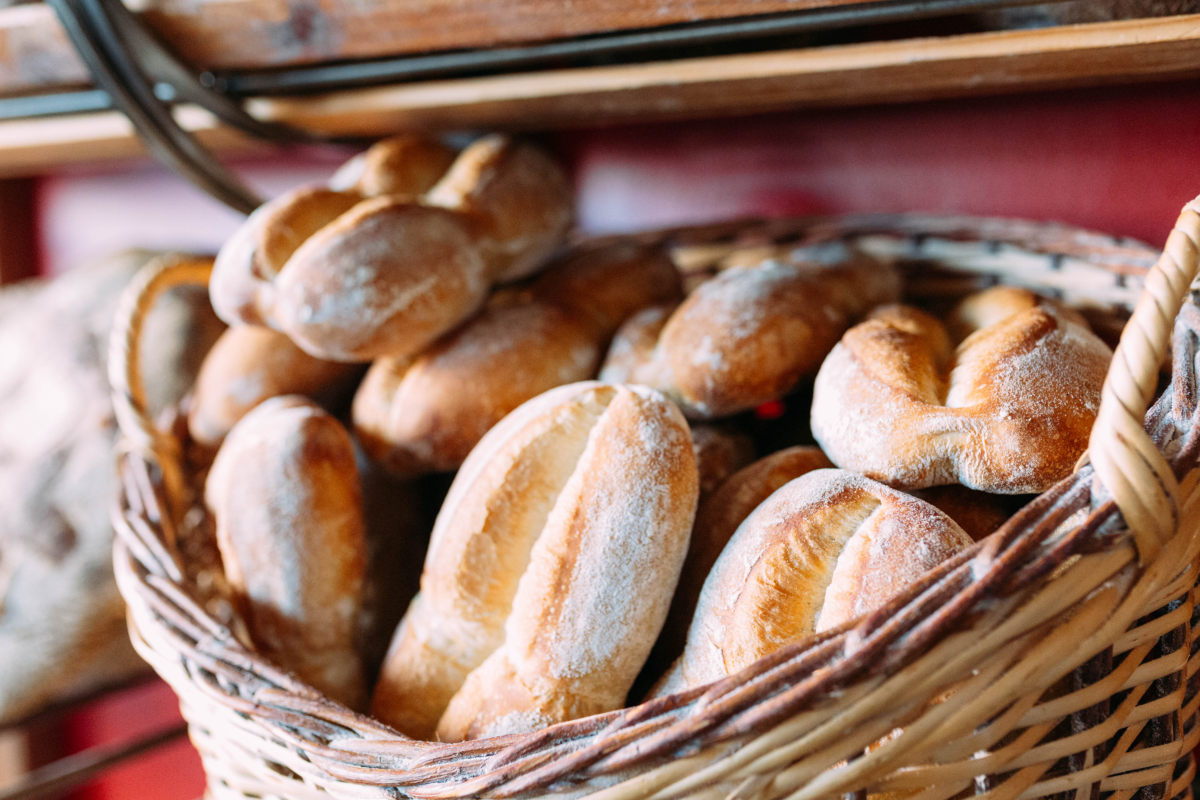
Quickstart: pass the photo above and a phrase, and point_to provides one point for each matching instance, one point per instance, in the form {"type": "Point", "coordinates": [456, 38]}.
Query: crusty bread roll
{"type": "Point", "coordinates": [721, 450]}
{"type": "Point", "coordinates": [404, 164]}
{"type": "Point", "coordinates": [285, 494]}
{"type": "Point", "coordinates": [823, 550]}
{"type": "Point", "coordinates": [717, 518]}
{"type": "Point", "coordinates": [350, 276]}
{"type": "Point", "coordinates": [750, 334]}
{"type": "Point", "coordinates": [250, 364]}
{"type": "Point", "coordinates": [978, 513]}
{"type": "Point", "coordinates": [412, 413]}
{"type": "Point", "coordinates": [551, 565]}
{"type": "Point", "coordinates": [1009, 411]}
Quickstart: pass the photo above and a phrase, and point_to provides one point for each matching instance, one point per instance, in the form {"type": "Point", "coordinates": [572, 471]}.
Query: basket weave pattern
{"type": "Point", "coordinates": [1053, 659]}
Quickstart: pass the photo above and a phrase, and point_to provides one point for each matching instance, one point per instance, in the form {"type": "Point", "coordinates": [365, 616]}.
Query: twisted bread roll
{"type": "Point", "coordinates": [285, 495]}
{"type": "Point", "coordinates": [717, 518]}
{"type": "Point", "coordinates": [248, 365]}
{"type": "Point", "coordinates": [823, 550]}
{"type": "Point", "coordinates": [1008, 411]}
{"type": "Point", "coordinates": [748, 335]}
{"type": "Point", "coordinates": [412, 414]}
{"type": "Point", "coordinates": [350, 276]}
{"type": "Point", "coordinates": [551, 564]}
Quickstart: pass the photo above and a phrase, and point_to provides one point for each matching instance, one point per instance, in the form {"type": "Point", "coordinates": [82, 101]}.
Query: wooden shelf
{"type": "Point", "coordinates": [879, 72]}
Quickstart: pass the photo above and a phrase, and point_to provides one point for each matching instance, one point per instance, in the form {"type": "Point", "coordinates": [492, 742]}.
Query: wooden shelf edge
{"type": "Point", "coordinates": [882, 72]}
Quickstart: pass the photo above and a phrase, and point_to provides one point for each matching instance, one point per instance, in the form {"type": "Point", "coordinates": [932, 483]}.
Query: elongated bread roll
{"type": "Point", "coordinates": [824, 549]}
{"type": "Point", "coordinates": [1009, 410]}
{"type": "Point", "coordinates": [250, 364]}
{"type": "Point", "coordinates": [285, 494]}
{"type": "Point", "coordinates": [717, 518]}
{"type": "Point", "coordinates": [351, 275]}
{"type": "Point", "coordinates": [751, 333]}
{"type": "Point", "coordinates": [555, 553]}
{"type": "Point", "coordinates": [412, 413]}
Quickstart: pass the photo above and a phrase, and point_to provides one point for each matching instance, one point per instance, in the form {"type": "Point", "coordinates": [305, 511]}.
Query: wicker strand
{"type": "Point", "coordinates": [1125, 459]}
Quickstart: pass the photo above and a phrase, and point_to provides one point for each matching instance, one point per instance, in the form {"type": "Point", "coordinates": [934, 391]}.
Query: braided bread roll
{"type": "Point", "coordinates": [1009, 410]}
{"type": "Point", "coordinates": [248, 365]}
{"type": "Point", "coordinates": [550, 567]}
{"type": "Point", "coordinates": [412, 414]}
{"type": "Point", "coordinates": [824, 549]}
{"type": "Point", "coordinates": [285, 494]}
{"type": "Point", "coordinates": [350, 277]}
{"type": "Point", "coordinates": [751, 333]}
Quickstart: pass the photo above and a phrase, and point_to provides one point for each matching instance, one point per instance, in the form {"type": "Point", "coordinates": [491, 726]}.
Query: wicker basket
{"type": "Point", "coordinates": [1053, 659]}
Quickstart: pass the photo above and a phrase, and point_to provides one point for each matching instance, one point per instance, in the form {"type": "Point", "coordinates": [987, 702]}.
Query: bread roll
{"type": "Point", "coordinates": [285, 495]}
{"type": "Point", "coordinates": [977, 513]}
{"type": "Point", "coordinates": [540, 563]}
{"type": "Point", "coordinates": [721, 450]}
{"type": "Point", "coordinates": [401, 165]}
{"type": "Point", "coordinates": [823, 550]}
{"type": "Point", "coordinates": [1009, 411]}
{"type": "Point", "coordinates": [350, 276]}
{"type": "Point", "coordinates": [751, 333]}
{"type": "Point", "coordinates": [248, 365]}
{"type": "Point", "coordinates": [413, 415]}
{"type": "Point", "coordinates": [717, 518]}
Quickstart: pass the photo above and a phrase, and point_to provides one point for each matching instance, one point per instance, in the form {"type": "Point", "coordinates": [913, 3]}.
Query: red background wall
{"type": "Point", "coordinates": [1122, 160]}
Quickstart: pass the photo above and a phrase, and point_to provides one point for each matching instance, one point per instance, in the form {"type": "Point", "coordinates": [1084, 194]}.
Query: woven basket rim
{"type": "Point", "coordinates": [355, 749]}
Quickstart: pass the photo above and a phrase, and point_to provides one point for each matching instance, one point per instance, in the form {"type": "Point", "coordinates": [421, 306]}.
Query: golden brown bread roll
{"type": "Point", "coordinates": [404, 164]}
{"type": "Point", "coordinates": [717, 518]}
{"type": "Point", "coordinates": [412, 413]}
{"type": "Point", "coordinates": [539, 565]}
{"type": "Point", "coordinates": [748, 335]}
{"type": "Point", "coordinates": [978, 513]}
{"type": "Point", "coordinates": [1009, 411]}
{"type": "Point", "coordinates": [721, 450]}
{"type": "Point", "coordinates": [350, 277]}
{"type": "Point", "coordinates": [285, 494]}
{"type": "Point", "coordinates": [249, 364]}
{"type": "Point", "coordinates": [823, 550]}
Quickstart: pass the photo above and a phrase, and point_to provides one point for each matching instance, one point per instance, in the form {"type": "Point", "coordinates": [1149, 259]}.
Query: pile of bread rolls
{"type": "Point", "coordinates": [608, 535]}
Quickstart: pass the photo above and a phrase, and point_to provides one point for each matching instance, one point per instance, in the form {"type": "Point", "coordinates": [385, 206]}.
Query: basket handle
{"type": "Point", "coordinates": [1125, 459]}
{"type": "Point", "coordinates": [124, 365]}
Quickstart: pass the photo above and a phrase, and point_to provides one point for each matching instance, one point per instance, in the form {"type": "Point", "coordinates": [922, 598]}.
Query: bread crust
{"type": "Point", "coordinates": [383, 266]}
{"type": "Point", "coordinates": [1008, 411]}
{"type": "Point", "coordinates": [249, 364]}
{"type": "Point", "coordinates": [821, 551]}
{"type": "Point", "coordinates": [513, 497]}
{"type": "Point", "coordinates": [751, 333]}
{"type": "Point", "coordinates": [285, 495]}
{"type": "Point", "coordinates": [412, 413]}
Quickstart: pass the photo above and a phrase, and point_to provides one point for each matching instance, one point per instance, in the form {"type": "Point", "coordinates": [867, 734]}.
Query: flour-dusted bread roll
{"type": "Point", "coordinates": [978, 513]}
{"type": "Point", "coordinates": [413, 414]}
{"type": "Point", "coordinates": [250, 364]}
{"type": "Point", "coordinates": [285, 494]}
{"type": "Point", "coordinates": [751, 333]}
{"type": "Point", "coordinates": [717, 518]}
{"type": "Point", "coordinates": [351, 275]}
{"type": "Point", "coordinates": [822, 550]}
{"type": "Point", "coordinates": [551, 564]}
{"type": "Point", "coordinates": [1009, 410]}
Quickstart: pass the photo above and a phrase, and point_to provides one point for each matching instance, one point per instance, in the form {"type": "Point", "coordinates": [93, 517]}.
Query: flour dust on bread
{"type": "Point", "coordinates": [751, 333]}
{"type": "Point", "coordinates": [1008, 410]}
{"type": "Point", "coordinates": [404, 252]}
{"type": "Point", "coordinates": [820, 551]}
{"type": "Point", "coordinates": [538, 565]}
{"type": "Point", "coordinates": [284, 491]}
{"type": "Point", "coordinates": [412, 413]}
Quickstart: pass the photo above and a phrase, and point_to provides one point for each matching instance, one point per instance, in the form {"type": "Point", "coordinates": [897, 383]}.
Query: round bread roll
{"type": "Point", "coordinates": [285, 495]}
{"type": "Point", "coordinates": [717, 518]}
{"type": "Point", "coordinates": [1009, 411]}
{"type": "Point", "coordinates": [249, 364]}
{"type": "Point", "coordinates": [402, 165]}
{"type": "Point", "coordinates": [750, 334]}
{"type": "Point", "coordinates": [412, 414]}
{"type": "Point", "coordinates": [351, 276]}
{"type": "Point", "coordinates": [824, 549]}
{"type": "Point", "coordinates": [551, 565]}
